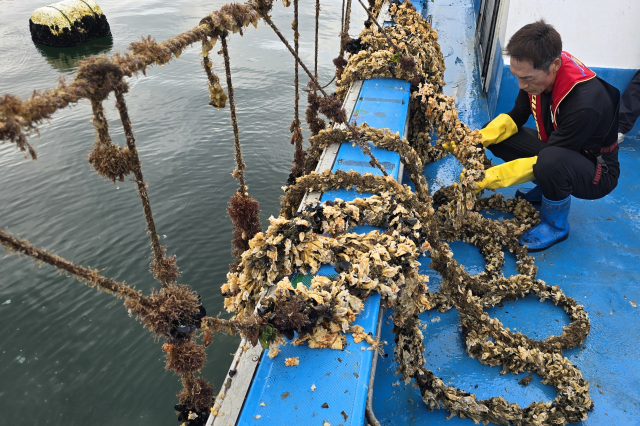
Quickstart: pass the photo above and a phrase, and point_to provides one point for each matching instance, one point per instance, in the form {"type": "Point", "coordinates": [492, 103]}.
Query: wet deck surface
{"type": "Point", "coordinates": [599, 266]}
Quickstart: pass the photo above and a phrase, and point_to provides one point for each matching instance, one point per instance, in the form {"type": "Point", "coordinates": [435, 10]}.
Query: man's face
{"type": "Point", "coordinates": [534, 81]}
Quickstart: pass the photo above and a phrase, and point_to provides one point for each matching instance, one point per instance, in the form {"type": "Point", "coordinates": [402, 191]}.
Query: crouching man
{"type": "Point", "coordinates": [572, 151]}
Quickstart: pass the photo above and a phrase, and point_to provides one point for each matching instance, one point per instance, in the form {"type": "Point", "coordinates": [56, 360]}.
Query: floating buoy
{"type": "Point", "coordinates": [68, 23]}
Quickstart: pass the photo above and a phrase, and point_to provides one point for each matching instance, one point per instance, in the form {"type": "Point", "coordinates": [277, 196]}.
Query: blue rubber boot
{"type": "Point", "coordinates": [532, 195]}
{"type": "Point", "coordinates": [553, 227]}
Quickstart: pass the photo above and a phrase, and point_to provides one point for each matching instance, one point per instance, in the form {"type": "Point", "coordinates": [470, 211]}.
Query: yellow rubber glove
{"type": "Point", "coordinates": [508, 174]}
{"type": "Point", "coordinates": [499, 129]}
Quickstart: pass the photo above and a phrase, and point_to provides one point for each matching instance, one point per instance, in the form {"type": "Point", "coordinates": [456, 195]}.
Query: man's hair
{"type": "Point", "coordinates": [538, 43]}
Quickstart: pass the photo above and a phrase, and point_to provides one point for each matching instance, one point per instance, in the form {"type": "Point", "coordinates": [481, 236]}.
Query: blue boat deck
{"type": "Point", "coordinates": [383, 103]}
{"type": "Point", "coordinates": [599, 266]}
{"type": "Point", "coordinates": [332, 386]}
{"type": "Point", "coordinates": [326, 383]}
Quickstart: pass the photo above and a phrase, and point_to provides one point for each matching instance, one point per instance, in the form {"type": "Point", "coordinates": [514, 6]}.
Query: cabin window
{"type": "Point", "coordinates": [485, 35]}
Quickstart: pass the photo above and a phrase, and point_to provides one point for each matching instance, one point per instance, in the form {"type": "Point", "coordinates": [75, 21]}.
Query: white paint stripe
{"type": "Point", "coordinates": [600, 34]}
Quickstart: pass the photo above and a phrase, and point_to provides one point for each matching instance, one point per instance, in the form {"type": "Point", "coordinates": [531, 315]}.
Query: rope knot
{"type": "Point", "coordinates": [100, 77]}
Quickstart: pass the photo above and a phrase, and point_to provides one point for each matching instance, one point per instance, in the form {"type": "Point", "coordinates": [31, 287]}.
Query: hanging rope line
{"type": "Point", "coordinates": [217, 96]}
{"type": "Point", "coordinates": [315, 63]}
{"type": "Point", "coordinates": [375, 21]}
{"type": "Point", "coordinates": [296, 131]}
{"type": "Point", "coordinates": [296, 43]}
{"type": "Point", "coordinates": [243, 209]}
{"type": "Point", "coordinates": [238, 173]}
{"type": "Point", "coordinates": [108, 159]}
{"type": "Point", "coordinates": [339, 61]}
{"type": "Point", "coordinates": [324, 87]}
{"type": "Point", "coordinates": [164, 268]}
{"type": "Point", "coordinates": [90, 276]}
{"type": "Point", "coordinates": [341, 21]}
{"type": "Point", "coordinates": [268, 20]}
{"type": "Point", "coordinates": [344, 35]}
{"type": "Point", "coordinates": [114, 162]}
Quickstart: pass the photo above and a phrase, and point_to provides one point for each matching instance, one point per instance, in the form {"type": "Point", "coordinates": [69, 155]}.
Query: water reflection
{"type": "Point", "coordinates": [65, 59]}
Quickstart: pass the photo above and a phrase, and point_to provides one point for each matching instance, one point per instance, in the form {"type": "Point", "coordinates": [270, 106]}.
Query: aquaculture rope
{"type": "Point", "coordinates": [268, 20]}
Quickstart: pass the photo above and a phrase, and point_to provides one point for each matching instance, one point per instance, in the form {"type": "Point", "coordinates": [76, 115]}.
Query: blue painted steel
{"type": "Point", "coordinates": [497, 72]}
{"type": "Point", "coordinates": [476, 7]}
{"type": "Point", "coordinates": [457, 43]}
{"type": "Point", "coordinates": [352, 158]}
{"type": "Point", "coordinates": [341, 378]}
{"type": "Point", "coordinates": [599, 265]}
{"type": "Point", "coordinates": [382, 103]}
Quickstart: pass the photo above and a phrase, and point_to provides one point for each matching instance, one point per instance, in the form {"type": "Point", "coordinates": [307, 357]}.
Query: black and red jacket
{"type": "Point", "coordinates": [580, 113]}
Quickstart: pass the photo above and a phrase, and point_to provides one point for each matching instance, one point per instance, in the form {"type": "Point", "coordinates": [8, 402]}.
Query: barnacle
{"type": "Point", "coordinates": [217, 95]}
{"type": "Point", "coordinates": [290, 362]}
{"type": "Point", "coordinates": [422, 55]}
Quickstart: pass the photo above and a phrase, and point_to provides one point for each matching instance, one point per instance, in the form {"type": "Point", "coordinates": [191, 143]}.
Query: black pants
{"type": "Point", "coordinates": [630, 105]}
{"type": "Point", "coordinates": [560, 172]}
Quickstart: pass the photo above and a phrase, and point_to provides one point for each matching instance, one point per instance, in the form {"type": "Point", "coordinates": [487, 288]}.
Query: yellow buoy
{"type": "Point", "coordinates": [68, 23]}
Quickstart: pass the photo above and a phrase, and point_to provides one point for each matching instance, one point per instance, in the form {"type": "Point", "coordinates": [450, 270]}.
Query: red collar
{"type": "Point", "coordinates": [570, 73]}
